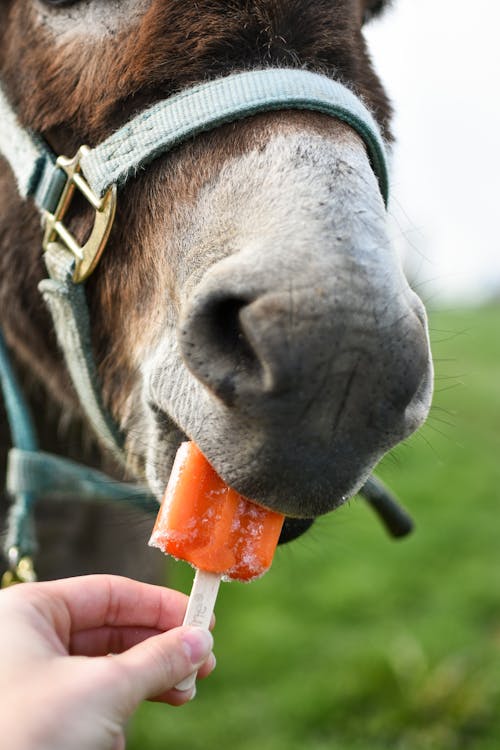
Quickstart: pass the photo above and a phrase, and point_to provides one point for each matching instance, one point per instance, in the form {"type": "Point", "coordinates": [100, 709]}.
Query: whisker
{"type": "Point", "coordinates": [440, 432]}
{"type": "Point", "coordinates": [432, 418]}
{"type": "Point", "coordinates": [448, 387]}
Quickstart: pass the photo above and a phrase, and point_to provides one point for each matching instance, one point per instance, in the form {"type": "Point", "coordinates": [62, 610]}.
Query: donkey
{"type": "Point", "coordinates": [248, 297]}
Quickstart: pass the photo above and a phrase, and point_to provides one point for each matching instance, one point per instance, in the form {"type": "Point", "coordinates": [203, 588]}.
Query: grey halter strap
{"type": "Point", "coordinates": [170, 122]}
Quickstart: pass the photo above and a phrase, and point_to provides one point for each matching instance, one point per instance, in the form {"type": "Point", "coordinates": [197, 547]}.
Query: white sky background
{"type": "Point", "coordinates": [440, 63]}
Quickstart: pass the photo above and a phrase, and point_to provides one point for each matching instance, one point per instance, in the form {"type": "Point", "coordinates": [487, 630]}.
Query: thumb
{"type": "Point", "coordinates": [157, 664]}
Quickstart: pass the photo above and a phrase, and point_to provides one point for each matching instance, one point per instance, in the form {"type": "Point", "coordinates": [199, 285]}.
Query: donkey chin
{"type": "Point", "coordinates": [300, 355]}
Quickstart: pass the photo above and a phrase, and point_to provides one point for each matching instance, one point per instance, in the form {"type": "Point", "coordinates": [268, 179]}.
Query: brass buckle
{"type": "Point", "coordinates": [21, 569]}
{"type": "Point", "coordinates": [87, 255]}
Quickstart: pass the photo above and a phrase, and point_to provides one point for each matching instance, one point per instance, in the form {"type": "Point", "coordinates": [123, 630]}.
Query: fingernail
{"type": "Point", "coordinates": [198, 643]}
{"type": "Point", "coordinates": [212, 662]}
{"type": "Point", "coordinates": [189, 694]}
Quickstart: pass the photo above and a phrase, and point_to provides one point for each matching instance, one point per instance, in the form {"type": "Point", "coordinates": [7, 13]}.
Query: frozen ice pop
{"type": "Point", "coordinates": [218, 531]}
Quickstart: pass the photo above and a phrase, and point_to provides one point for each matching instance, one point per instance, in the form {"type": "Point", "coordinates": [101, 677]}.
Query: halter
{"type": "Point", "coordinates": [98, 174]}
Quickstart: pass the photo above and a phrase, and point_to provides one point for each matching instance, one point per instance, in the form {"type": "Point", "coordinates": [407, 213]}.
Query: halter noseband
{"type": "Point", "coordinates": [96, 172]}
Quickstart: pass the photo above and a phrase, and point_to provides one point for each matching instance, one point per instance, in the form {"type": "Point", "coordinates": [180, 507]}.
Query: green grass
{"type": "Point", "coordinates": [355, 642]}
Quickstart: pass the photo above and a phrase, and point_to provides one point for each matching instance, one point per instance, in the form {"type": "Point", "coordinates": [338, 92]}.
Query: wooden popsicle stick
{"type": "Point", "coordinates": [199, 610]}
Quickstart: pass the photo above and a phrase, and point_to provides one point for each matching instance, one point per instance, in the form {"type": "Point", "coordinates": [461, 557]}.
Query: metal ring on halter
{"type": "Point", "coordinates": [87, 255]}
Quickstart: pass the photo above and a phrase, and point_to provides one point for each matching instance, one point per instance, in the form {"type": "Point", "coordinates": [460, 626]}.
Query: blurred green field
{"type": "Point", "coordinates": [356, 642]}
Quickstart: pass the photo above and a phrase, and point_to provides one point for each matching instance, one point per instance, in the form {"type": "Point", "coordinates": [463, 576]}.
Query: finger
{"type": "Point", "coordinates": [179, 697]}
{"type": "Point", "coordinates": [97, 600]}
{"type": "Point", "coordinates": [108, 640]}
{"type": "Point", "coordinates": [207, 667]}
{"type": "Point", "coordinates": [154, 666]}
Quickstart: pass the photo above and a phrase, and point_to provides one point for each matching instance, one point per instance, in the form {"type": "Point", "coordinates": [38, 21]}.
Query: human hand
{"type": "Point", "coordinates": [54, 696]}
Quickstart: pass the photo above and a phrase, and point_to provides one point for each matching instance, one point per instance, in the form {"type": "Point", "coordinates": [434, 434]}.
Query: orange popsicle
{"type": "Point", "coordinates": [210, 525]}
{"type": "Point", "coordinates": [218, 531]}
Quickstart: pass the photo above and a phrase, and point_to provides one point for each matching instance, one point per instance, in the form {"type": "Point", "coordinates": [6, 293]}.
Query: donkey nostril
{"type": "Point", "coordinates": [216, 347]}
{"type": "Point", "coordinates": [223, 324]}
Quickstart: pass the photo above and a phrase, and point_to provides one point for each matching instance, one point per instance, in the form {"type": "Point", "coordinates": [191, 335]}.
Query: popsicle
{"type": "Point", "coordinates": [222, 534]}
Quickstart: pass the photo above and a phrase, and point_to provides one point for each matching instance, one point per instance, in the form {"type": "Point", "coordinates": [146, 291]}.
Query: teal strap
{"type": "Point", "coordinates": [58, 478]}
{"type": "Point", "coordinates": [18, 414]}
{"type": "Point", "coordinates": [30, 158]}
{"type": "Point", "coordinates": [31, 473]}
{"type": "Point", "coordinates": [21, 530]}
{"type": "Point", "coordinates": [68, 307]}
{"type": "Point", "coordinates": [208, 105]}
{"type": "Point", "coordinates": [47, 189]}
{"type": "Point", "coordinates": [20, 148]}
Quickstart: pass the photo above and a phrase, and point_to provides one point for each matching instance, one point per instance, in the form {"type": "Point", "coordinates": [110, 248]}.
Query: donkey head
{"type": "Point", "coordinates": [249, 296]}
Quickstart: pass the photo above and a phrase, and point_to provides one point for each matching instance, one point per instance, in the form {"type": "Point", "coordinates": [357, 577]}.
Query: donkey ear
{"type": "Point", "coordinates": [374, 8]}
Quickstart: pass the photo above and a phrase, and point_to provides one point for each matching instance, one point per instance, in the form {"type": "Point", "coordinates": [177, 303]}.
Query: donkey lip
{"type": "Point", "coordinates": [293, 528]}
